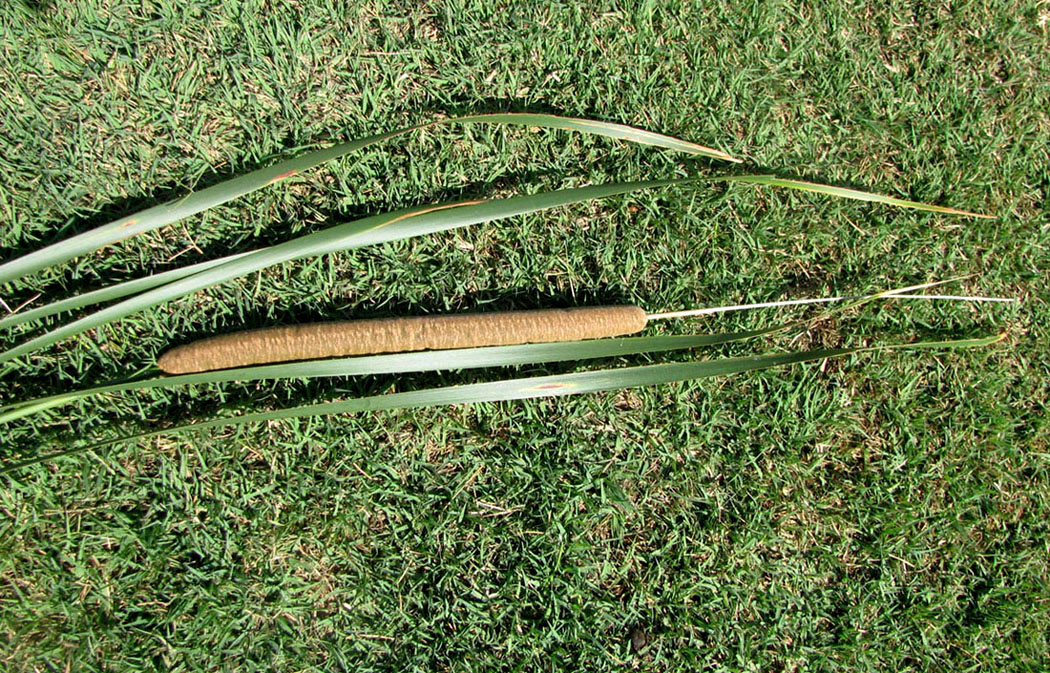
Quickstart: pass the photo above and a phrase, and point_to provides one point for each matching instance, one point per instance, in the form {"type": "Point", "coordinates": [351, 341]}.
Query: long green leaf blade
{"type": "Point", "coordinates": [520, 388]}
{"type": "Point", "coordinates": [196, 202]}
{"type": "Point", "coordinates": [359, 233]}
{"type": "Point", "coordinates": [110, 293]}
{"type": "Point", "coordinates": [399, 363]}
{"type": "Point", "coordinates": [451, 359]}
{"type": "Point", "coordinates": [131, 287]}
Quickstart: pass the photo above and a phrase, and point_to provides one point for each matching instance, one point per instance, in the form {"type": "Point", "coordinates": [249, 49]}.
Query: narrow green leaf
{"type": "Point", "coordinates": [110, 293]}
{"type": "Point", "coordinates": [520, 388]}
{"type": "Point", "coordinates": [450, 359]}
{"type": "Point", "coordinates": [196, 202]}
{"type": "Point", "coordinates": [131, 287]}
{"type": "Point", "coordinates": [849, 194]}
{"type": "Point", "coordinates": [398, 363]}
{"type": "Point", "coordinates": [359, 233]}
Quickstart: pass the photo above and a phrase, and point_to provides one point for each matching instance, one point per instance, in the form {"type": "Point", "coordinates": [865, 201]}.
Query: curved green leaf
{"type": "Point", "coordinates": [195, 202]}
{"type": "Point", "coordinates": [110, 293]}
{"type": "Point", "coordinates": [131, 287]}
{"type": "Point", "coordinates": [459, 358]}
{"type": "Point", "coordinates": [359, 233]}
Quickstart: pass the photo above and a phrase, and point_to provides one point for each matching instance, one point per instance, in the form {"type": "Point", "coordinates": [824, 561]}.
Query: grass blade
{"type": "Point", "coordinates": [520, 388]}
{"type": "Point", "coordinates": [856, 194]}
{"type": "Point", "coordinates": [196, 202]}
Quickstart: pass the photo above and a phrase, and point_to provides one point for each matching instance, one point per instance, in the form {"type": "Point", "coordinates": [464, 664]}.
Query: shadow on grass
{"type": "Point", "coordinates": [38, 7]}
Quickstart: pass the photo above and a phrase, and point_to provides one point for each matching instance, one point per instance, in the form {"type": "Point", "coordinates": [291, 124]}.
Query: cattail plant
{"type": "Point", "coordinates": [394, 344]}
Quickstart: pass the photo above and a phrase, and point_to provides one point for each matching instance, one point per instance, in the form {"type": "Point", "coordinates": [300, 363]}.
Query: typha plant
{"type": "Point", "coordinates": [393, 345]}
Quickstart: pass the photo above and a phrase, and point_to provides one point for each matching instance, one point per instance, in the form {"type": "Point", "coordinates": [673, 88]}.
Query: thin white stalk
{"type": "Point", "coordinates": [691, 313]}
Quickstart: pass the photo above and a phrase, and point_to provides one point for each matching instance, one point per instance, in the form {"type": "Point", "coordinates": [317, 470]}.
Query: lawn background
{"type": "Point", "coordinates": [876, 513]}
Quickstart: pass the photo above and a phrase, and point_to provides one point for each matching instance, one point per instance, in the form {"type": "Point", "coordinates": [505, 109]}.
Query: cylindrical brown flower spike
{"type": "Point", "coordinates": [395, 335]}
{"type": "Point", "coordinates": [440, 332]}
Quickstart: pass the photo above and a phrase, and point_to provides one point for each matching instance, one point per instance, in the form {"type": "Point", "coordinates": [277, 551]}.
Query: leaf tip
{"type": "Point", "coordinates": [967, 213]}
{"type": "Point", "coordinates": [713, 153]}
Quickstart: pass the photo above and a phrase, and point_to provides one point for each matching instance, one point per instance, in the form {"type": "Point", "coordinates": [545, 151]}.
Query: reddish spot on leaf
{"type": "Point", "coordinates": [552, 386]}
{"type": "Point", "coordinates": [128, 223]}
{"type": "Point", "coordinates": [282, 176]}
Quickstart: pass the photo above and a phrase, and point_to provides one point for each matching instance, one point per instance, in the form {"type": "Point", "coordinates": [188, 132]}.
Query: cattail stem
{"type": "Point", "coordinates": [799, 302]}
{"type": "Point", "coordinates": [395, 335]}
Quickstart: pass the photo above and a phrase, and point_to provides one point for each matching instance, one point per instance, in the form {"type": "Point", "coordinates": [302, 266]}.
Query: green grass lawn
{"type": "Point", "coordinates": [880, 512]}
